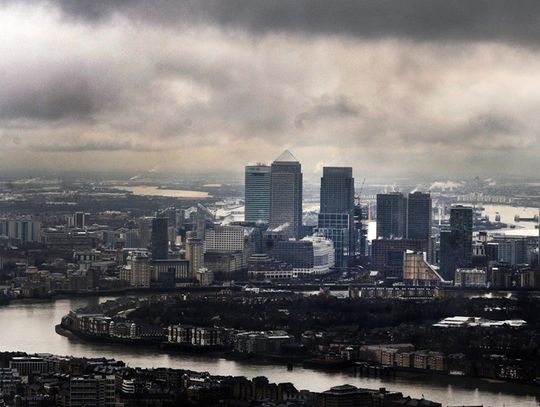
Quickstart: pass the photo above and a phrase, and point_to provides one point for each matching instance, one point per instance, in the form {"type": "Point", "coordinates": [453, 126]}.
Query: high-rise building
{"type": "Point", "coordinates": [419, 213]}
{"type": "Point", "coordinates": [336, 217]}
{"type": "Point", "coordinates": [139, 270]}
{"type": "Point", "coordinates": [286, 196]}
{"type": "Point", "coordinates": [79, 220]}
{"type": "Point", "coordinates": [224, 239]}
{"type": "Point", "coordinates": [419, 216]}
{"type": "Point", "coordinates": [337, 190]}
{"type": "Point", "coordinates": [160, 238]}
{"type": "Point", "coordinates": [195, 254]}
{"type": "Point", "coordinates": [257, 193]}
{"type": "Point", "coordinates": [391, 215]}
{"type": "Point", "coordinates": [22, 229]}
{"type": "Point", "coordinates": [456, 243]}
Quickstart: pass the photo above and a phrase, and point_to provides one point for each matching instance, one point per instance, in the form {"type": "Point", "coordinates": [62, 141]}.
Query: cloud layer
{"type": "Point", "coordinates": [391, 88]}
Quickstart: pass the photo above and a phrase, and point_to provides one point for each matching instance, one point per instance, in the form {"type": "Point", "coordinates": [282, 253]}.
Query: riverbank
{"type": "Point", "coordinates": [32, 331]}
{"type": "Point", "coordinates": [291, 362]}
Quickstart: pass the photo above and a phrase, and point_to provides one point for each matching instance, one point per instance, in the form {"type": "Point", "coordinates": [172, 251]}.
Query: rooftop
{"type": "Point", "coordinates": [286, 156]}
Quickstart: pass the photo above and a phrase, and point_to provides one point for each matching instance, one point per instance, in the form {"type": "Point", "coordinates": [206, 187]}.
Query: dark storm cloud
{"type": "Point", "coordinates": [514, 21]}
{"type": "Point", "coordinates": [92, 146]}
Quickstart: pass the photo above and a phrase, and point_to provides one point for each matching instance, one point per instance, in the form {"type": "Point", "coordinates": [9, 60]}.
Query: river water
{"type": "Point", "coordinates": [155, 191]}
{"type": "Point", "coordinates": [29, 327]}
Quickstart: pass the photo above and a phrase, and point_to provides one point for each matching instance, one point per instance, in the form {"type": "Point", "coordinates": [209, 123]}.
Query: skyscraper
{"type": "Point", "coordinates": [391, 215]}
{"type": "Point", "coordinates": [419, 216]}
{"type": "Point", "coordinates": [286, 196]}
{"type": "Point", "coordinates": [456, 243]}
{"type": "Point", "coordinates": [336, 217]}
{"type": "Point", "coordinates": [160, 238]}
{"type": "Point", "coordinates": [337, 190]}
{"type": "Point", "coordinates": [195, 254]}
{"type": "Point", "coordinates": [257, 193]}
{"type": "Point", "coordinates": [419, 219]}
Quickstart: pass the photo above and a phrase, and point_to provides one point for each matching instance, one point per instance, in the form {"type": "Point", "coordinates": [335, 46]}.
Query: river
{"type": "Point", "coordinates": [29, 327]}
{"type": "Point", "coordinates": [173, 193]}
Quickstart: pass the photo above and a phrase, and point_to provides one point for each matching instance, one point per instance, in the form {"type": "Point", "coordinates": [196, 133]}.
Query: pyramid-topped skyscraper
{"type": "Point", "coordinates": [286, 196]}
{"type": "Point", "coordinates": [287, 157]}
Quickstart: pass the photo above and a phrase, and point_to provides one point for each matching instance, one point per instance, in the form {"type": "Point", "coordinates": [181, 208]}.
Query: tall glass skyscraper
{"type": "Point", "coordinates": [391, 215]}
{"type": "Point", "coordinates": [456, 243]}
{"type": "Point", "coordinates": [336, 217]}
{"type": "Point", "coordinates": [257, 193]}
{"type": "Point", "coordinates": [160, 238]}
{"type": "Point", "coordinates": [286, 196]}
{"type": "Point", "coordinates": [419, 216]}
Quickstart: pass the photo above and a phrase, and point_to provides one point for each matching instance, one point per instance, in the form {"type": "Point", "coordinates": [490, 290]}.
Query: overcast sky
{"type": "Point", "coordinates": [390, 87]}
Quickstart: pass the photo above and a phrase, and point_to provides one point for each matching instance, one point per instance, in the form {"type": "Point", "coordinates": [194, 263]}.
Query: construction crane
{"type": "Point", "coordinates": [359, 194]}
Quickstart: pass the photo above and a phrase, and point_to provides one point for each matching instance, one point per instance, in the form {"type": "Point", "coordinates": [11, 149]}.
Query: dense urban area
{"type": "Point", "coordinates": [438, 278]}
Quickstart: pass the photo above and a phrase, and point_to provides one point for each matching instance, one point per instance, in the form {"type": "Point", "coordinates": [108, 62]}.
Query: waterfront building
{"type": "Point", "coordinates": [286, 196]}
{"type": "Point", "coordinates": [160, 238]}
{"type": "Point", "coordinates": [195, 336]}
{"type": "Point", "coordinates": [257, 193]}
{"type": "Point", "coordinates": [391, 215]}
{"type": "Point", "coordinates": [29, 365]}
{"type": "Point", "coordinates": [336, 217]}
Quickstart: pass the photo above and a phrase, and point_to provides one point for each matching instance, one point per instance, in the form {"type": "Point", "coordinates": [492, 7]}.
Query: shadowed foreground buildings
{"type": "Point", "coordinates": [79, 382]}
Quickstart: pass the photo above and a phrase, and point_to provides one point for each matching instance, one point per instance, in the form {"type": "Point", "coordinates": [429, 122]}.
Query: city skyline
{"type": "Point", "coordinates": [124, 87]}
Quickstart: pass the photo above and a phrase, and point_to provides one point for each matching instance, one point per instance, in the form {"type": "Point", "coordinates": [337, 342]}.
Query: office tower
{"type": "Point", "coordinates": [24, 230]}
{"type": "Point", "coordinates": [224, 250]}
{"type": "Point", "coordinates": [337, 190]}
{"type": "Point", "coordinates": [286, 196]}
{"type": "Point", "coordinates": [257, 193]}
{"type": "Point", "coordinates": [391, 215]}
{"type": "Point", "coordinates": [139, 266]}
{"type": "Point", "coordinates": [160, 238]}
{"type": "Point", "coordinates": [79, 220]}
{"type": "Point", "coordinates": [224, 239]}
{"type": "Point", "coordinates": [308, 256]}
{"type": "Point", "coordinates": [195, 254]}
{"type": "Point", "coordinates": [419, 216]}
{"type": "Point", "coordinates": [336, 217]}
{"type": "Point", "coordinates": [204, 218]}
{"type": "Point", "coordinates": [387, 255]}
{"type": "Point", "coordinates": [456, 243]}
{"type": "Point", "coordinates": [461, 224]}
